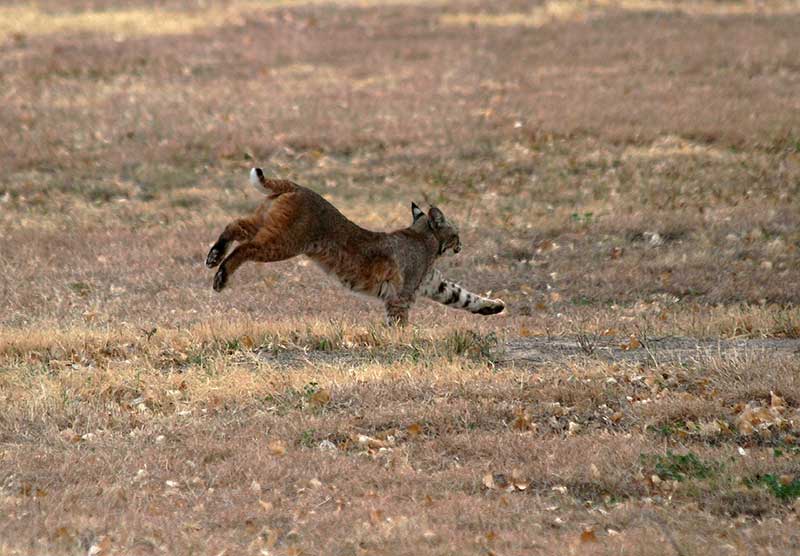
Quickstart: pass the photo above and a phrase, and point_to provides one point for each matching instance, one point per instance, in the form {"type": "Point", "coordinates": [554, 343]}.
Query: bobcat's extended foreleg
{"type": "Point", "coordinates": [453, 295]}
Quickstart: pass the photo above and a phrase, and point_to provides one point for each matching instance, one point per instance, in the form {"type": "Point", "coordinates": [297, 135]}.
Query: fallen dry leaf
{"type": "Point", "coordinates": [101, 547]}
{"type": "Point", "coordinates": [376, 516]}
{"type": "Point", "coordinates": [776, 401]}
{"type": "Point", "coordinates": [327, 446]}
{"type": "Point", "coordinates": [710, 428]}
{"type": "Point", "coordinates": [588, 535]}
{"type": "Point", "coordinates": [755, 417]}
{"type": "Point", "coordinates": [321, 397]}
{"type": "Point", "coordinates": [546, 245]}
{"type": "Point", "coordinates": [277, 448]}
{"type": "Point", "coordinates": [370, 442]}
{"type": "Point", "coordinates": [70, 436]}
{"type": "Point", "coordinates": [521, 423]}
{"type": "Point", "coordinates": [632, 343]}
{"type": "Point", "coordinates": [517, 480]}
{"type": "Point", "coordinates": [499, 481]}
{"type": "Point", "coordinates": [270, 537]}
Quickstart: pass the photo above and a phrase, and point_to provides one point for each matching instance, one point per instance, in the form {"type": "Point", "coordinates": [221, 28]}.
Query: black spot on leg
{"type": "Point", "coordinates": [467, 301]}
{"type": "Point", "coordinates": [442, 287]}
{"type": "Point", "coordinates": [491, 309]}
{"type": "Point", "coordinates": [453, 296]}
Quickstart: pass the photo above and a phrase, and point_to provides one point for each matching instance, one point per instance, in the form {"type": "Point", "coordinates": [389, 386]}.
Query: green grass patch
{"type": "Point", "coordinates": [779, 487]}
{"type": "Point", "coordinates": [679, 467]}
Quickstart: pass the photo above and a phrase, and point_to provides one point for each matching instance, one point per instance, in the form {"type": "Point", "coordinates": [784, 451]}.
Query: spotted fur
{"type": "Point", "coordinates": [451, 294]}
{"type": "Point", "coordinates": [294, 220]}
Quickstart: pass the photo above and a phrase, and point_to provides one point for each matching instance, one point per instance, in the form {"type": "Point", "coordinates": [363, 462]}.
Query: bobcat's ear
{"type": "Point", "coordinates": [416, 212]}
{"type": "Point", "coordinates": [436, 217]}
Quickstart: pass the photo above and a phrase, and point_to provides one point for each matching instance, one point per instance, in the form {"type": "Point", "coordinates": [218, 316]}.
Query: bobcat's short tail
{"type": "Point", "coordinates": [265, 185]}
{"type": "Point", "coordinates": [453, 295]}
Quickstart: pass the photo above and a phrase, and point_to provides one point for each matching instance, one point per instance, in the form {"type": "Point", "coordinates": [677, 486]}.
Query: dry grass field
{"type": "Point", "coordinates": [625, 175]}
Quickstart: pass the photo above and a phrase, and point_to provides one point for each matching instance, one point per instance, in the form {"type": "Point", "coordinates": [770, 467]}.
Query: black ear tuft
{"type": "Point", "coordinates": [437, 217]}
{"type": "Point", "coordinates": [416, 212]}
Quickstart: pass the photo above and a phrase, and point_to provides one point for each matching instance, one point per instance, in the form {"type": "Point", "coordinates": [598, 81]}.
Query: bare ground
{"type": "Point", "coordinates": [651, 351]}
{"type": "Point", "coordinates": [529, 352]}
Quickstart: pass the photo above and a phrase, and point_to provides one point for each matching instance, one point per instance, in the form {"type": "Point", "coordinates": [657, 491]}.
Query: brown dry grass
{"type": "Point", "coordinates": [617, 169]}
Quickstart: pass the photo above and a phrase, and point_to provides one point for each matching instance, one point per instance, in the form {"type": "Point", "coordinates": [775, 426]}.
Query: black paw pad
{"type": "Point", "coordinates": [220, 280]}
{"type": "Point", "coordinates": [214, 257]}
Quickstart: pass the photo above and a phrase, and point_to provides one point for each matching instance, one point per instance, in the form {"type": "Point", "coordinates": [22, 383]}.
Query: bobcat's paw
{"type": "Point", "coordinates": [220, 280]}
{"type": "Point", "coordinates": [215, 256]}
{"type": "Point", "coordinates": [393, 321]}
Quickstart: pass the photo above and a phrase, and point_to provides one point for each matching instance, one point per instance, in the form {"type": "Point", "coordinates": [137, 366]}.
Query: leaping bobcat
{"type": "Point", "coordinates": [393, 266]}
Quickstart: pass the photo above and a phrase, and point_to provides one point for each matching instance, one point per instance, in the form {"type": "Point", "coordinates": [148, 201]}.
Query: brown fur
{"type": "Point", "coordinates": [294, 220]}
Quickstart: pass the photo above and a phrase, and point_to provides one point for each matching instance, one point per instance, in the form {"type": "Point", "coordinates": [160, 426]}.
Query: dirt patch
{"type": "Point", "coordinates": [534, 351]}
{"type": "Point", "coordinates": [652, 351]}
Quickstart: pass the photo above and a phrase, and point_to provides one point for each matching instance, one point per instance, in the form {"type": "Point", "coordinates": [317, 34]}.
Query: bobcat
{"type": "Point", "coordinates": [390, 266]}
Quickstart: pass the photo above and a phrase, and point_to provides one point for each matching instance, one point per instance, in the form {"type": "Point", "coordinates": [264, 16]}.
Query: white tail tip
{"type": "Point", "coordinates": [255, 181]}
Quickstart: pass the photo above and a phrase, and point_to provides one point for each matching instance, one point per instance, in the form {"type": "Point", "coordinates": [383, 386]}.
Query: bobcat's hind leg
{"type": "Point", "coordinates": [239, 230]}
{"type": "Point", "coordinates": [264, 248]}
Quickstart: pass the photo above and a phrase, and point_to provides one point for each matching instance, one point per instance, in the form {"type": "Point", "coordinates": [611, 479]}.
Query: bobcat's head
{"type": "Point", "coordinates": [444, 231]}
